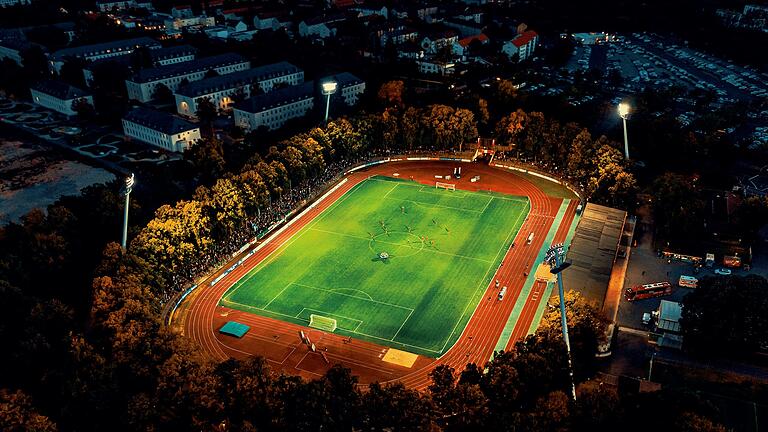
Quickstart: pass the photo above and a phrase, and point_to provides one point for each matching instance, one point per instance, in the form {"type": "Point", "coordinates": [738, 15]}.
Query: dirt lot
{"type": "Point", "coordinates": [33, 175]}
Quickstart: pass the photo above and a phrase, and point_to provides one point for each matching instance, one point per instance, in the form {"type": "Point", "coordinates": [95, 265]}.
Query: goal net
{"type": "Point", "coordinates": [448, 186]}
{"type": "Point", "coordinates": [322, 322]}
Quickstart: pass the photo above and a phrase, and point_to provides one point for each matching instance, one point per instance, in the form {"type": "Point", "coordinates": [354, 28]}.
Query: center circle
{"type": "Point", "coordinates": [398, 244]}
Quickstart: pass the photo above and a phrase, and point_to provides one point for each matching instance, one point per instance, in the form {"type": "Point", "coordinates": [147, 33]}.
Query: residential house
{"type": "Point", "coordinates": [429, 67]}
{"type": "Point", "coordinates": [462, 47]}
{"type": "Point", "coordinates": [433, 43]}
{"type": "Point", "coordinates": [272, 20]}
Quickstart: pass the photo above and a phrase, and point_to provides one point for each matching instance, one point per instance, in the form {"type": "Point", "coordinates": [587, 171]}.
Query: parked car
{"type": "Point", "coordinates": [722, 271]}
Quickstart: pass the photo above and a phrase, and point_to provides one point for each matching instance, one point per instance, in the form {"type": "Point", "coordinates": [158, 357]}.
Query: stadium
{"type": "Point", "coordinates": [401, 265]}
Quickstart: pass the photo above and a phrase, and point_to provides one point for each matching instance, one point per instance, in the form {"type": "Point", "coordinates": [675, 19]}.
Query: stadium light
{"type": "Point", "coordinates": [127, 188]}
{"type": "Point", "coordinates": [329, 88]}
{"type": "Point", "coordinates": [554, 257]}
{"type": "Point", "coordinates": [624, 113]}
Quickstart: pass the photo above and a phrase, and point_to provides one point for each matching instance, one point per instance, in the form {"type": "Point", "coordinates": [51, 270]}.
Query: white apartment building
{"type": "Point", "coordinates": [273, 109]}
{"type": "Point", "coordinates": [523, 45]}
{"type": "Point", "coordinates": [143, 84]}
{"type": "Point", "coordinates": [100, 51]}
{"type": "Point", "coordinates": [160, 57]}
{"type": "Point", "coordinates": [160, 129]}
{"type": "Point", "coordinates": [220, 90]}
{"type": "Point", "coordinates": [58, 96]}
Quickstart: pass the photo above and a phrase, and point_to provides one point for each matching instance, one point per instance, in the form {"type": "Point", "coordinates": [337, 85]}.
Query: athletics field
{"type": "Point", "coordinates": [443, 248]}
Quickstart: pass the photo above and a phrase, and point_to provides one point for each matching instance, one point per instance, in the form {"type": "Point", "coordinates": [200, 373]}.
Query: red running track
{"type": "Point", "coordinates": [200, 316]}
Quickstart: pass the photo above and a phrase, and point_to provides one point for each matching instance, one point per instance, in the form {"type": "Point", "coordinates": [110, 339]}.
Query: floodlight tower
{"type": "Point", "coordinates": [127, 188]}
{"type": "Point", "coordinates": [554, 257]}
{"type": "Point", "coordinates": [624, 113]}
{"type": "Point", "coordinates": [329, 88]}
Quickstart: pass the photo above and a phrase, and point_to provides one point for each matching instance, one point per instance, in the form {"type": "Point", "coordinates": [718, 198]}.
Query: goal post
{"type": "Point", "coordinates": [322, 322]}
{"type": "Point", "coordinates": [447, 186]}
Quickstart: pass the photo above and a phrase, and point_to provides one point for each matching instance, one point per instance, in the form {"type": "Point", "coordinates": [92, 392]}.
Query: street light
{"type": "Point", "coordinates": [127, 188]}
{"type": "Point", "coordinates": [329, 88]}
{"type": "Point", "coordinates": [554, 257]}
{"type": "Point", "coordinates": [624, 113]}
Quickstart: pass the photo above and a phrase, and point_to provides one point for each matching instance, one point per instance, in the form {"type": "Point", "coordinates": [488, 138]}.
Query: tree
{"type": "Point", "coordinates": [410, 126]}
{"type": "Point", "coordinates": [677, 208]}
{"type": "Point", "coordinates": [35, 63]}
{"type": "Point", "coordinates": [207, 155]}
{"type": "Point", "coordinates": [391, 93]}
{"type": "Point", "coordinates": [17, 414]}
{"type": "Point", "coordinates": [84, 109]}
{"type": "Point", "coordinates": [141, 58]}
{"type": "Point", "coordinates": [730, 310]}
{"type": "Point", "coordinates": [162, 94]}
{"type": "Point", "coordinates": [586, 330]}
{"type": "Point", "coordinates": [207, 113]}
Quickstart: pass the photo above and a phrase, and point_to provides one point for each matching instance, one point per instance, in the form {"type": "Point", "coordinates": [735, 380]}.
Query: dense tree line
{"type": "Point", "coordinates": [726, 316]}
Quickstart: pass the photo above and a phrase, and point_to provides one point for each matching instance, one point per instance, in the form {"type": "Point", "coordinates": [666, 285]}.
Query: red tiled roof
{"type": "Point", "coordinates": [524, 38]}
{"type": "Point", "coordinates": [343, 3]}
{"type": "Point", "coordinates": [468, 40]}
{"type": "Point", "coordinates": [180, 7]}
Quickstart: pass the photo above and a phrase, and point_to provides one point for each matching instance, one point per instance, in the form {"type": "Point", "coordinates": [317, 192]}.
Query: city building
{"type": "Point", "coordinates": [159, 57]}
{"type": "Point", "coordinates": [349, 89]}
{"type": "Point", "coordinates": [427, 66]}
{"type": "Point", "coordinates": [160, 129]}
{"type": "Point", "coordinates": [8, 3]}
{"type": "Point", "coordinates": [273, 109]}
{"type": "Point", "coordinates": [100, 51]}
{"type": "Point", "coordinates": [273, 20]}
{"type": "Point", "coordinates": [221, 89]}
{"type": "Point", "coordinates": [433, 43]}
{"type": "Point", "coordinates": [593, 38]}
{"type": "Point", "coordinates": [110, 6]}
{"type": "Point", "coordinates": [523, 45]}
{"type": "Point", "coordinates": [320, 27]}
{"type": "Point", "coordinates": [462, 47]}
{"type": "Point", "coordinates": [364, 11]}
{"type": "Point", "coordinates": [13, 48]}
{"type": "Point", "coordinates": [176, 25]}
{"type": "Point", "coordinates": [142, 85]}
{"type": "Point", "coordinates": [668, 331]}
{"type": "Point", "coordinates": [59, 96]}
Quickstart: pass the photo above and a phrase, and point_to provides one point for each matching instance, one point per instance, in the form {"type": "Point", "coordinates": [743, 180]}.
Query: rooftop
{"type": "Point", "coordinates": [468, 40]}
{"type": "Point", "coordinates": [60, 90]}
{"type": "Point", "coordinates": [344, 79]}
{"type": "Point", "coordinates": [669, 316]}
{"type": "Point", "coordinates": [155, 54]}
{"type": "Point", "coordinates": [120, 45]}
{"type": "Point", "coordinates": [160, 121]}
{"type": "Point", "coordinates": [592, 251]}
{"type": "Point", "coordinates": [228, 81]}
{"type": "Point", "coordinates": [524, 37]}
{"type": "Point", "coordinates": [277, 98]}
{"type": "Point", "coordinates": [177, 69]}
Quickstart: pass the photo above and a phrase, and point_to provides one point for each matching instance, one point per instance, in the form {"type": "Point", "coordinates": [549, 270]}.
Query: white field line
{"type": "Point", "coordinates": [480, 283]}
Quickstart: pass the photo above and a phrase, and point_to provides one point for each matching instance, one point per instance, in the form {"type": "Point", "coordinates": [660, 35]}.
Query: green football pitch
{"type": "Point", "coordinates": [443, 248]}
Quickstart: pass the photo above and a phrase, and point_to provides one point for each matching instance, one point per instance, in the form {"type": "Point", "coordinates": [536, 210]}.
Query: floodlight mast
{"type": "Point", "coordinates": [329, 88]}
{"type": "Point", "coordinates": [624, 113]}
{"type": "Point", "coordinates": [127, 188]}
{"type": "Point", "coordinates": [554, 257]}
